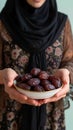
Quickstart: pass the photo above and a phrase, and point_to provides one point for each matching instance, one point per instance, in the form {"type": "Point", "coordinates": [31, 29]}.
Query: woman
{"type": "Point", "coordinates": [33, 34]}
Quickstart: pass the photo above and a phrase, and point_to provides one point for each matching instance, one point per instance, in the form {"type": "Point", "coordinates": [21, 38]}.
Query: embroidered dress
{"type": "Point", "coordinates": [14, 57]}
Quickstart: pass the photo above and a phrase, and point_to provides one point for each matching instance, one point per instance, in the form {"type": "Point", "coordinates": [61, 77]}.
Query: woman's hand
{"type": "Point", "coordinates": [8, 76]}
{"type": "Point", "coordinates": [63, 74]}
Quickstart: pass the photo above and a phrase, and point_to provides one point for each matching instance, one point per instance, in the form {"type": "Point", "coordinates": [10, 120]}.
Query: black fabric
{"type": "Point", "coordinates": [33, 29]}
{"type": "Point", "coordinates": [28, 121]}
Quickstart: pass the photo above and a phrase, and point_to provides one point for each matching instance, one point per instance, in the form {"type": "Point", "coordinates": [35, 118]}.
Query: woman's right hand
{"type": "Point", "coordinates": [8, 76]}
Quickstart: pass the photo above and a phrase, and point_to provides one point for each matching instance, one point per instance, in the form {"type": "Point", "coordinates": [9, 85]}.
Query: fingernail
{"type": "Point", "coordinates": [36, 104]}
{"type": "Point", "coordinates": [25, 98]}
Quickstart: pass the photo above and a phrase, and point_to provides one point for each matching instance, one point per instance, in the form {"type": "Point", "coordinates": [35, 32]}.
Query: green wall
{"type": "Point", "coordinates": [2, 3]}
{"type": "Point", "coordinates": [67, 7]}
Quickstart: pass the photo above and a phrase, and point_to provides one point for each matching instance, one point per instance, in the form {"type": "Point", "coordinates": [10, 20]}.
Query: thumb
{"type": "Point", "coordinates": [8, 82]}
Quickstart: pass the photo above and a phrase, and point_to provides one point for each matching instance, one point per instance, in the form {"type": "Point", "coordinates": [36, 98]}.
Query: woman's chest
{"type": "Point", "coordinates": [17, 58]}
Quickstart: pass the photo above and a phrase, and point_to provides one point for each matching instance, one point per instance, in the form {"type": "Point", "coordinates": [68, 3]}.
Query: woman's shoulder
{"type": "Point", "coordinates": [68, 32]}
{"type": "Point", "coordinates": [3, 33]}
{"type": "Point", "coordinates": [68, 25]}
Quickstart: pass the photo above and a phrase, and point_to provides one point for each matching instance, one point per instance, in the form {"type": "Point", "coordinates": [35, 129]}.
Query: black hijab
{"type": "Point", "coordinates": [33, 29]}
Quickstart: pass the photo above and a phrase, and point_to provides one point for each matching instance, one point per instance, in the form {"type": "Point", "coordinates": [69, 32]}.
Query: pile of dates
{"type": "Point", "coordinates": [38, 80]}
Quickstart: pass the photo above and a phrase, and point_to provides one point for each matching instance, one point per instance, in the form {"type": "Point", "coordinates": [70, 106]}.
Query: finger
{"type": "Point", "coordinates": [41, 102]}
{"type": "Point", "coordinates": [16, 95]}
{"type": "Point", "coordinates": [61, 97]}
{"type": "Point", "coordinates": [53, 99]}
{"type": "Point", "coordinates": [7, 82]}
{"type": "Point", "coordinates": [22, 98]}
{"type": "Point", "coordinates": [63, 91]}
{"type": "Point", "coordinates": [33, 102]}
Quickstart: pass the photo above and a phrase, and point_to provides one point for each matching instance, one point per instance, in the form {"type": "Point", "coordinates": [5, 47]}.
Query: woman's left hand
{"type": "Point", "coordinates": [63, 74]}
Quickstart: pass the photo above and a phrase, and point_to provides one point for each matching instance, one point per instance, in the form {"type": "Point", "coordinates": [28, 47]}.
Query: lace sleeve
{"type": "Point", "coordinates": [67, 60]}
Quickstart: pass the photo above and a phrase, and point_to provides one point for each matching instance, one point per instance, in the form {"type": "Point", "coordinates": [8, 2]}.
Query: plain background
{"type": "Point", "coordinates": [67, 7]}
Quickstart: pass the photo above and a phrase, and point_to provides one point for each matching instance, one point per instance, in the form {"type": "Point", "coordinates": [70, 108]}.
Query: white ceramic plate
{"type": "Point", "coordinates": [37, 95]}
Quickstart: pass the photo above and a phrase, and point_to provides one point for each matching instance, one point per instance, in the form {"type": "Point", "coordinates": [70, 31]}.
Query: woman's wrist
{"type": "Point", "coordinates": [68, 73]}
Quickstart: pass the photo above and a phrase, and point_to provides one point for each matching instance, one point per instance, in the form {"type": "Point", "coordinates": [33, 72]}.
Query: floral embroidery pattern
{"type": "Point", "coordinates": [23, 60]}
{"type": "Point", "coordinates": [18, 59]}
{"type": "Point", "coordinates": [58, 51]}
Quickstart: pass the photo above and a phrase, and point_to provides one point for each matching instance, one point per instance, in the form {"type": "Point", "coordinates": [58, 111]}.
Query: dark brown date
{"type": "Point", "coordinates": [35, 71]}
{"type": "Point", "coordinates": [49, 87]}
{"type": "Point", "coordinates": [39, 88]}
{"type": "Point", "coordinates": [26, 77]}
{"type": "Point", "coordinates": [55, 81]}
{"type": "Point", "coordinates": [33, 82]}
{"type": "Point", "coordinates": [43, 75]}
{"type": "Point", "coordinates": [44, 82]}
{"type": "Point", "coordinates": [38, 80]}
{"type": "Point", "coordinates": [51, 77]}
{"type": "Point", "coordinates": [24, 86]}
